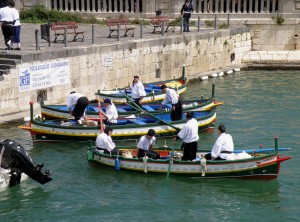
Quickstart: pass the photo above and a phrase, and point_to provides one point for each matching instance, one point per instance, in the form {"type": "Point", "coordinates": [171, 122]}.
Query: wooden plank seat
{"type": "Point", "coordinates": [123, 24]}
{"type": "Point", "coordinates": [158, 22]}
{"type": "Point", "coordinates": [71, 27]}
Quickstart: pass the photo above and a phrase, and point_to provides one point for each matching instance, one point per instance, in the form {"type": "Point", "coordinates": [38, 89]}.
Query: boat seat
{"type": "Point", "coordinates": [139, 122]}
{"type": "Point", "coordinates": [121, 110]}
{"type": "Point", "coordinates": [169, 105]}
{"type": "Point", "coordinates": [148, 108]}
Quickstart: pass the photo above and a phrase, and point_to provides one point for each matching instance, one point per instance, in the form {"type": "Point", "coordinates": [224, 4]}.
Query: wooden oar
{"type": "Point", "coordinates": [100, 116]}
{"type": "Point", "coordinates": [137, 108]}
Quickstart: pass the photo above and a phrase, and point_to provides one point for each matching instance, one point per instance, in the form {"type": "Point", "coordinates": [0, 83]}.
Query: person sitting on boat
{"type": "Point", "coordinates": [223, 146]}
{"type": "Point", "coordinates": [145, 145]}
{"type": "Point", "coordinates": [173, 98]}
{"type": "Point", "coordinates": [137, 91]}
{"type": "Point", "coordinates": [80, 102]}
{"type": "Point", "coordinates": [111, 113]}
{"type": "Point", "coordinates": [105, 143]}
{"type": "Point", "coordinates": [190, 137]}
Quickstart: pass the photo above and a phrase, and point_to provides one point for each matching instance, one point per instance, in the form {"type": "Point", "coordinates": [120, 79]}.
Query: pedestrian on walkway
{"type": "Point", "coordinates": [7, 21]}
{"type": "Point", "coordinates": [17, 29]}
{"type": "Point", "coordinates": [185, 12]}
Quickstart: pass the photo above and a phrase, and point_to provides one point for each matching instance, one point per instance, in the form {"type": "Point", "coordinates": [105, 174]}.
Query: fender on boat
{"type": "Point", "coordinates": [14, 157]}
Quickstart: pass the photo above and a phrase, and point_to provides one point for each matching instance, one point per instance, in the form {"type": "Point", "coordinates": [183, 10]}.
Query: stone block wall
{"type": "Point", "coordinates": [199, 52]}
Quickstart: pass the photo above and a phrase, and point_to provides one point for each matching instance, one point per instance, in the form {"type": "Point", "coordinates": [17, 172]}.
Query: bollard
{"type": "Point", "coordinates": [141, 30]}
{"type": "Point", "coordinates": [228, 20]}
{"type": "Point", "coordinates": [93, 34]}
{"type": "Point", "coordinates": [181, 25]}
{"type": "Point", "coordinates": [215, 22]}
{"type": "Point", "coordinates": [163, 29]}
{"type": "Point", "coordinates": [118, 34]}
{"type": "Point", "coordinates": [198, 23]}
{"type": "Point", "coordinates": [37, 47]}
{"type": "Point", "coordinates": [65, 37]}
{"type": "Point", "coordinates": [49, 34]}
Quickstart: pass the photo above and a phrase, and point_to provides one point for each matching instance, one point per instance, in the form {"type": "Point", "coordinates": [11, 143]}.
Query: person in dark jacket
{"type": "Point", "coordinates": [186, 11]}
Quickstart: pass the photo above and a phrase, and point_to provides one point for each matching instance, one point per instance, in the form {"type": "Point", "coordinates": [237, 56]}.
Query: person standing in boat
{"type": "Point", "coordinates": [137, 91]}
{"type": "Point", "coordinates": [190, 137]}
{"type": "Point", "coordinates": [173, 98]}
{"type": "Point", "coordinates": [111, 113]}
{"type": "Point", "coordinates": [145, 145]}
{"type": "Point", "coordinates": [223, 146]}
{"type": "Point", "coordinates": [80, 102]}
{"type": "Point", "coordinates": [105, 143]}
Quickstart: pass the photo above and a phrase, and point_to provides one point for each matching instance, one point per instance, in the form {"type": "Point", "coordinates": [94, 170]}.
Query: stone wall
{"type": "Point", "coordinates": [200, 52]}
{"type": "Point", "coordinates": [268, 36]}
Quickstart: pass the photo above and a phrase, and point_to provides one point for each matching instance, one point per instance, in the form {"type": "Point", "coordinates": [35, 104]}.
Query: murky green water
{"type": "Point", "coordinates": [258, 106]}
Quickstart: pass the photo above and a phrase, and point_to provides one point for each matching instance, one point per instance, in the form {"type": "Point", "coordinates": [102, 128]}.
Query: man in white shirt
{"type": "Point", "coordinates": [80, 102]}
{"type": "Point", "coordinates": [223, 146]}
{"type": "Point", "coordinates": [190, 137]}
{"type": "Point", "coordinates": [111, 113]}
{"type": "Point", "coordinates": [7, 21]}
{"type": "Point", "coordinates": [145, 145]}
{"type": "Point", "coordinates": [105, 143]}
{"type": "Point", "coordinates": [17, 28]}
{"type": "Point", "coordinates": [137, 91]}
{"type": "Point", "coordinates": [173, 98]}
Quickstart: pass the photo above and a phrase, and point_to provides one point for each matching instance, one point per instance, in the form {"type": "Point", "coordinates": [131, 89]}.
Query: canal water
{"type": "Point", "coordinates": [258, 105]}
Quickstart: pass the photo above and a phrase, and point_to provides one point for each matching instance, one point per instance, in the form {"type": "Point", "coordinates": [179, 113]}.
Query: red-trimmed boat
{"type": "Point", "coordinates": [265, 166]}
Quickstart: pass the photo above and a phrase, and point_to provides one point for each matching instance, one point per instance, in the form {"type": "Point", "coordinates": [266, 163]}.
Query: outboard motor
{"type": "Point", "coordinates": [14, 157]}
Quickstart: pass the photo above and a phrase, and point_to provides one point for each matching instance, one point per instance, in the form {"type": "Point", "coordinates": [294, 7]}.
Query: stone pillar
{"type": "Point", "coordinates": [104, 6]}
{"type": "Point", "coordinates": [121, 6]}
{"type": "Point", "coordinates": [82, 6]}
{"type": "Point", "coordinates": [55, 5]}
{"type": "Point", "coordinates": [244, 6]}
{"type": "Point", "coordinates": [268, 6]}
{"type": "Point", "coordinates": [131, 6]}
{"type": "Point", "coordinates": [256, 6]}
{"type": "Point", "coordinates": [138, 6]}
{"type": "Point", "coordinates": [222, 6]}
{"type": "Point", "coordinates": [239, 6]}
{"type": "Point", "coordinates": [109, 6]}
{"type": "Point", "coordinates": [251, 6]}
{"type": "Point", "coordinates": [205, 7]}
{"type": "Point", "coordinates": [227, 6]}
{"type": "Point", "coordinates": [72, 6]}
{"type": "Point", "coordinates": [93, 5]}
{"type": "Point", "coordinates": [273, 6]}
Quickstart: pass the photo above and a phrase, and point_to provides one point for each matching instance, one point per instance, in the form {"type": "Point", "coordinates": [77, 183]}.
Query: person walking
{"type": "Point", "coordinates": [80, 102]}
{"type": "Point", "coordinates": [173, 98]}
{"type": "Point", "coordinates": [185, 12]}
{"type": "Point", "coordinates": [190, 137]}
{"type": "Point", "coordinates": [17, 29]}
{"type": "Point", "coordinates": [7, 21]}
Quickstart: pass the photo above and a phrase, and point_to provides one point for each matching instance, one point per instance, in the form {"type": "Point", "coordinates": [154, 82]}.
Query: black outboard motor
{"type": "Point", "coordinates": [14, 157]}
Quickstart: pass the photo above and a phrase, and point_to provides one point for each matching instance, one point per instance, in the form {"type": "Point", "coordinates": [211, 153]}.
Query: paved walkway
{"type": "Point", "coordinates": [28, 43]}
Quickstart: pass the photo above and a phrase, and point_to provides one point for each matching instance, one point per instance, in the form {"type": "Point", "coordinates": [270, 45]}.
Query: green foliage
{"type": "Point", "coordinates": [278, 19]}
{"type": "Point", "coordinates": [137, 21]}
{"type": "Point", "coordinates": [223, 26]}
{"type": "Point", "coordinates": [39, 14]}
{"type": "Point", "coordinates": [209, 23]}
{"type": "Point", "coordinates": [176, 21]}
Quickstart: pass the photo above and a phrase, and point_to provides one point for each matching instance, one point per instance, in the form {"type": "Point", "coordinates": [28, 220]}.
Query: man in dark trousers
{"type": "Point", "coordinates": [190, 137]}
{"type": "Point", "coordinates": [7, 21]}
{"type": "Point", "coordinates": [79, 102]}
{"type": "Point", "coordinates": [185, 12]}
{"type": "Point", "coordinates": [173, 98]}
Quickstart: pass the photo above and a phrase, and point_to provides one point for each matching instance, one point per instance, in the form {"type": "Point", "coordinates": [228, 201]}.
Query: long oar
{"type": "Point", "coordinates": [100, 116]}
{"type": "Point", "coordinates": [137, 108]}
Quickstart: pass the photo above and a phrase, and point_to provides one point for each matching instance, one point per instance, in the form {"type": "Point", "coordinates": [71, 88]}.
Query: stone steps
{"type": "Point", "coordinates": [8, 62]}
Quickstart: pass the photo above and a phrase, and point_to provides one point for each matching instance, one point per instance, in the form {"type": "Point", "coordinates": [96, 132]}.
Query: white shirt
{"type": "Point", "coordinates": [144, 143]}
{"type": "Point", "coordinates": [16, 17]}
{"type": "Point", "coordinates": [72, 99]}
{"type": "Point", "coordinates": [171, 97]}
{"type": "Point", "coordinates": [6, 14]}
{"type": "Point", "coordinates": [137, 90]}
{"type": "Point", "coordinates": [104, 141]}
{"type": "Point", "coordinates": [223, 143]}
{"type": "Point", "coordinates": [189, 132]}
{"type": "Point", "coordinates": [111, 113]}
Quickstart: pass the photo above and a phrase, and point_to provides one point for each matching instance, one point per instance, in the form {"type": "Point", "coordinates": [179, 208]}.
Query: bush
{"type": "Point", "coordinates": [209, 23]}
{"type": "Point", "coordinates": [39, 14]}
{"type": "Point", "coordinates": [278, 19]}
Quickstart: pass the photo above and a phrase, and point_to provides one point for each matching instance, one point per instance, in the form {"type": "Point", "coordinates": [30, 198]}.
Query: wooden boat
{"type": "Point", "coordinates": [129, 128]}
{"type": "Point", "coordinates": [153, 91]}
{"type": "Point", "coordinates": [17, 166]}
{"type": "Point", "coordinates": [92, 110]}
{"type": "Point", "coordinates": [257, 166]}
